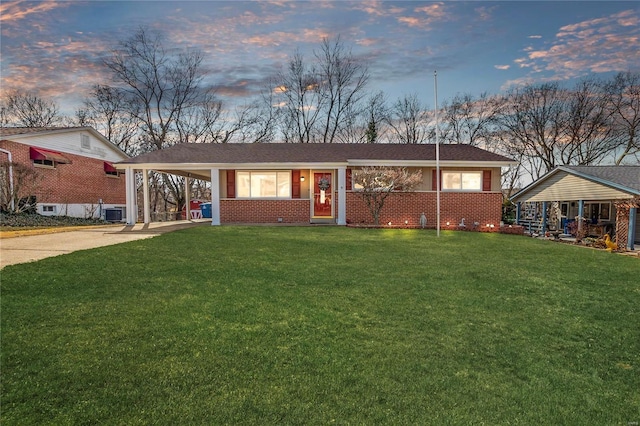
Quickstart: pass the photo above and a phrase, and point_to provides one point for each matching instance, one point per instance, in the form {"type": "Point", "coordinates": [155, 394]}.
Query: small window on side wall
{"type": "Point", "coordinates": [45, 163]}
{"type": "Point", "coordinates": [49, 209]}
{"type": "Point", "coordinates": [109, 170]}
{"type": "Point", "coordinates": [85, 142]}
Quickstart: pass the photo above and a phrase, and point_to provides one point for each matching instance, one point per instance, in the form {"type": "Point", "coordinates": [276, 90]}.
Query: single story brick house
{"type": "Point", "coordinates": [73, 166]}
{"type": "Point", "coordinates": [311, 183]}
{"type": "Point", "coordinates": [605, 197]}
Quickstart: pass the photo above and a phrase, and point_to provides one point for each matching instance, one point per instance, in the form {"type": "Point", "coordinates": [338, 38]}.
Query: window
{"type": "Point", "coordinates": [598, 211]}
{"type": "Point", "coordinates": [110, 170]}
{"type": "Point", "coordinates": [263, 184]}
{"type": "Point", "coordinates": [85, 142]}
{"type": "Point", "coordinates": [462, 181]}
{"type": "Point", "coordinates": [47, 163]}
{"type": "Point", "coordinates": [49, 209]}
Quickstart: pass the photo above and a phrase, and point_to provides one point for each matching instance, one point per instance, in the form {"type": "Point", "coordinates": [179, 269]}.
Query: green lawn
{"type": "Point", "coordinates": [319, 325]}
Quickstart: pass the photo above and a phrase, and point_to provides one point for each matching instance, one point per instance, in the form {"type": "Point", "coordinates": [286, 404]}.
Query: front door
{"type": "Point", "coordinates": [322, 195]}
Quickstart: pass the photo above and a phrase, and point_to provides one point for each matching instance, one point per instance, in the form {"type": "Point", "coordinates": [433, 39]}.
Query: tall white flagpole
{"type": "Point", "coordinates": [435, 82]}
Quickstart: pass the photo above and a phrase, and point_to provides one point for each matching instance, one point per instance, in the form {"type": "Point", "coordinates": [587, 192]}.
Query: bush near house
{"type": "Point", "coordinates": [13, 221]}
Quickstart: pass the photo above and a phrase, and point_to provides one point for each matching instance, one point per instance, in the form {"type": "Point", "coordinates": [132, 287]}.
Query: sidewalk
{"type": "Point", "coordinates": [23, 246]}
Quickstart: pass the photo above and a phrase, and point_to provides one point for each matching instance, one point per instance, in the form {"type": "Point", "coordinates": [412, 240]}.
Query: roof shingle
{"type": "Point", "coordinates": [311, 153]}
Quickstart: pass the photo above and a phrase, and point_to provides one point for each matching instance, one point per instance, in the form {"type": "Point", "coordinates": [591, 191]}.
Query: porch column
{"type": "Point", "coordinates": [132, 208]}
{"type": "Point", "coordinates": [580, 215]}
{"type": "Point", "coordinates": [518, 211]}
{"type": "Point", "coordinates": [342, 195]}
{"type": "Point", "coordinates": [187, 197]}
{"type": "Point", "coordinates": [633, 211]}
{"type": "Point", "coordinates": [543, 229]}
{"type": "Point", "coordinates": [145, 195]}
{"type": "Point", "coordinates": [215, 196]}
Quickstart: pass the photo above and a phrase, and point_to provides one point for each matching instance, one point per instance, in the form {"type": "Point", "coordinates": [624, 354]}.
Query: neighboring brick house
{"type": "Point", "coordinates": [74, 166]}
{"type": "Point", "coordinates": [311, 183]}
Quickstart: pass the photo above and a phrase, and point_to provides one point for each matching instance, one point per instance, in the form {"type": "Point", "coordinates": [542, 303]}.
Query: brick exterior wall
{"type": "Point", "coordinates": [482, 207]}
{"type": "Point", "coordinates": [264, 211]}
{"type": "Point", "coordinates": [82, 182]}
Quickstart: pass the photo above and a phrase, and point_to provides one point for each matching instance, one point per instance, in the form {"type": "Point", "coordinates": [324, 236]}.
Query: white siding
{"type": "Point", "coordinates": [563, 186]}
{"type": "Point", "coordinates": [70, 142]}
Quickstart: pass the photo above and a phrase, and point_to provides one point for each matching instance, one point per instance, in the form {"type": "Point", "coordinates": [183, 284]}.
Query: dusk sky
{"type": "Point", "coordinates": [55, 48]}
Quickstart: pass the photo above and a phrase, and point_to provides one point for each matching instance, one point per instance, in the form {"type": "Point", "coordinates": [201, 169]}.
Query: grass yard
{"type": "Point", "coordinates": [319, 325]}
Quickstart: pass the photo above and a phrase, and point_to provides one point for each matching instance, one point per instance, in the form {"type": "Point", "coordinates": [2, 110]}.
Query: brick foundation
{"type": "Point", "coordinates": [404, 209]}
{"type": "Point", "coordinates": [264, 211]}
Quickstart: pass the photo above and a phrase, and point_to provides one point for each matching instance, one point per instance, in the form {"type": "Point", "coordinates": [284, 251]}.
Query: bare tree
{"type": "Point", "coordinates": [108, 111]}
{"type": "Point", "coordinates": [377, 114]}
{"type": "Point", "coordinates": [407, 119]}
{"type": "Point", "coordinates": [320, 98]}
{"type": "Point", "coordinates": [378, 183]}
{"type": "Point", "coordinates": [588, 135]}
{"type": "Point", "coordinates": [299, 91]}
{"type": "Point", "coordinates": [18, 183]}
{"type": "Point", "coordinates": [368, 124]}
{"type": "Point", "coordinates": [468, 120]}
{"type": "Point", "coordinates": [166, 97]}
{"type": "Point", "coordinates": [26, 109]}
{"type": "Point", "coordinates": [533, 119]}
{"type": "Point", "coordinates": [624, 103]}
{"type": "Point", "coordinates": [343, 80]}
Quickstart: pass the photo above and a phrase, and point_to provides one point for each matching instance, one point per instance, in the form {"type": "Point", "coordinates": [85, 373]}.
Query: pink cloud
{"type": "Point", "coordinates": [14, 11]}
{"type": "Point", "coordinates": [598, 45]}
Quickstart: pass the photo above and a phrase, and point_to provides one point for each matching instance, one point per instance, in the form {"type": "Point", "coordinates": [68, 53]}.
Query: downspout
{"type": "Point", "coordinates": [11, 195]}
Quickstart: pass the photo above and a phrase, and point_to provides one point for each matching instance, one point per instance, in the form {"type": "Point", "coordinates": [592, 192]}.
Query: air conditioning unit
{"type": "Point", "coordinates": [113, 215]}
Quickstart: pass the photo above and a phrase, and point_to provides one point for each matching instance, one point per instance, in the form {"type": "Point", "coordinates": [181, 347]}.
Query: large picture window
{"type": "Point", "coordinates": [263, 184]}
{"type": "Point", "coordinates": [462, 181]}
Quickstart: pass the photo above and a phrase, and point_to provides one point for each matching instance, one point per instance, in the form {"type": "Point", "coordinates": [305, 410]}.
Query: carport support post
{"type": "Point", "coordinates": [518, 210]}
{"type": "Point", "coordinates": [145, 195]}
{"type": "Point", "coordinates": [215, 196]}
{"type": "Point", "coordinates": [187, 197]}
{"type": "Point", "coordinates": [132, 209]}
{"type": "Point", "coordinates": [543, 229]}
{"type": "Point", "coordinates": [342, 195]}
{"type": "Point", "coordinates": [633, 211]}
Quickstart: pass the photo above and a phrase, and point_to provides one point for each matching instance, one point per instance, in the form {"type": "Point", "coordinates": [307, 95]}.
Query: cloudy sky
{"type": "Point", "coordinates": [55, 48]}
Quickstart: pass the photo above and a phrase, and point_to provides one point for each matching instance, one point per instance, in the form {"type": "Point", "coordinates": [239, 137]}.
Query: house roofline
{"type": "Point", "coordinates": [307, 165]}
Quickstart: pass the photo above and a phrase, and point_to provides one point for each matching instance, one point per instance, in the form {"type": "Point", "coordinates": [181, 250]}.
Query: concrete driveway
{"type": "Point", "coordinates": [19, 247]}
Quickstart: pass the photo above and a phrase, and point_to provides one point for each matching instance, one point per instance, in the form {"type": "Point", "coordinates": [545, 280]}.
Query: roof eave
{"type": "Point", "coordinates": [558, 169]}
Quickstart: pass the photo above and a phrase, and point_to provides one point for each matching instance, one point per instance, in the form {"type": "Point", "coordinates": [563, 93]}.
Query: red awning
{"type": "Point", "coordinates": [45, 154]}
{"type": "Point", "coordinates": [108, 167]}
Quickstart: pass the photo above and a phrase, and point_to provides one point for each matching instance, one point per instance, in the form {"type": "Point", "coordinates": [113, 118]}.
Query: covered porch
{"type": "Point", "coordinates": [584, 200]}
